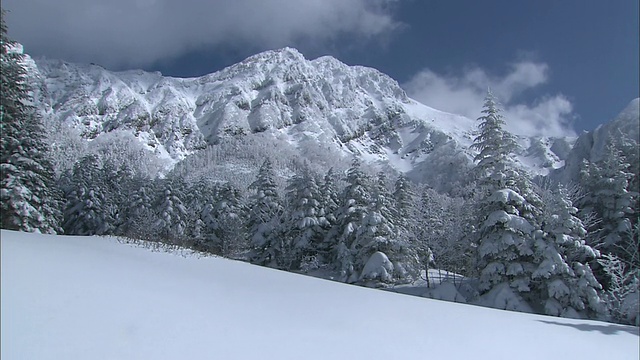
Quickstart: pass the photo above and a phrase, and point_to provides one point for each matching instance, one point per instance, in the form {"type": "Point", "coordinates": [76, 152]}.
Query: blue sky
{"type": "Point", "coordinates": [557, 66]}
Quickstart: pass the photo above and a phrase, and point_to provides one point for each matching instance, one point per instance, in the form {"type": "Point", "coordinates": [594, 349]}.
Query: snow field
{"type": "Point", "coordinates": [66, 297]}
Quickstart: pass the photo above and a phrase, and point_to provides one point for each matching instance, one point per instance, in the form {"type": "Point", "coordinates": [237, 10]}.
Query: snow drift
{"type": "Point", "coordinates": [69, 297]}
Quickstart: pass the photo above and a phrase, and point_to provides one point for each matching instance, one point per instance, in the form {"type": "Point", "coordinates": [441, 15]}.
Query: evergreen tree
{"type": "Point", "coordinates": [140, 218]}
{"type": "Point", "coordinates": [330, 199]}
{"type": "Point", "coordinates": [506, 219]}
{"type": "Point", "coordinates": [431, 227]}
{"type": "Point", "coordinates": [304, 225]}
{"type": "Point", "coordinates": [405, 200]}
{"type": "Point", "coordinates": [264, 218]}
{"type": "Point", "coordinates": [495, 147]}
{"type": "Point", "coordinates": [86, 211]}
{"type": "Point", "coordinates": [117, 179]}
{"type": "Point", "coordinates": [622, 296]}
{"type": "Point", "coordinates": [27, 194]}
{"type": "Point", "coordinates": [563, 283]}
{"type": "Point", "coordinates": [444, 232]}
{"type": "Point", "coordinates": [200, 223]}
{"type": "Point", "coordinates": [171, 214]}
{"type": "Point", "coordinates": [230, 213]}
{"type": "Point", "coordinates": [353, 209]}
{"type": "Point", "coordinates": [613, 199]}
{"type": "Point", "coordinates": [382, 232]}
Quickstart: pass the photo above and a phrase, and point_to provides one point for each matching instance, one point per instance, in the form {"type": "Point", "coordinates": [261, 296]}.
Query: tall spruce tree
{"type": "Point", "coordinates": [383, 232]}
{"type": "Point", "coordinates": [353, 209]}
{"type": "Point", "coordinates": [171, 214]}
{"type": "Point", "coordinates": [330, 199]}
{"type": "Point", "coordinates": [304, 226]}
{"type": "Point", "coordinates": [27, 194]}
{"type": "Point", "coordinates": [86, 211]}
{"type": "Point", "coordinates": [613, 199]}
{"type": "Point", "coordinates": [230, 212]}
{"type": "Point", "coordinates": [264, 218]}
{"type": "Point", "coordinates": [495, 148]}
{"type": "Point", "coordinates": [563, 282]}
{"type": "Point", "coordinates": [506, 219]}
{"type": "Point", "coordinates": [139, 214]}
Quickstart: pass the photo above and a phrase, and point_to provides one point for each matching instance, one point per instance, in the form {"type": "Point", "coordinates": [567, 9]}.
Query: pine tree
{"type": "Point", "coordinates": [264, 218]}
{"type": "Point", "coordinates": [495, 147]}
{"type": "Point", "coordinates": [28, 197]}
{"type": "Point", "coordinates": [140, 219]}
{"type": "Point", "coordinates": [171, 214]}
{"type": "Point", "coordinates": [563, 282]}
{"type": "Point", "coordinates": [304, 225]}
{"type": "Point", "coordinates": [353, 209]}
{"type": "Point", "coordinates": [230, 213]}
{"type": "Point", "coordinates": [200, 200]}
{"type": "Point", "coordinates": [117, 179]}
{"type": "Point", "coordinates": [613, 199]}
{"type": "Point", "coordinates": [330, 197]}
{"type": "Point", "coordinates": [506, 219]}
{"type": "Point", "coordinates": [86, 211]}
{"type": "Point", "coordinates": [405, 199]}
{"type": "Point", "coordinates": [383, 232]}
{"type": "Point", "coordinates": [329, 207]}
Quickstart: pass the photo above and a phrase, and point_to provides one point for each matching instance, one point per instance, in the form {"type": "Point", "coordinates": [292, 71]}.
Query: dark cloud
{"type": "Point", "coordinates": [140, 32]}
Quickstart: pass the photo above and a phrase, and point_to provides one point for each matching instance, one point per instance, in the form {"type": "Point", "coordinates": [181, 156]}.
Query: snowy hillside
{"type": "Point", "coordinates": [94, 298]}
{"type": "Point", "coordinates": [306, 105]}
{"type": "Point", "coordinates": [591, 145]}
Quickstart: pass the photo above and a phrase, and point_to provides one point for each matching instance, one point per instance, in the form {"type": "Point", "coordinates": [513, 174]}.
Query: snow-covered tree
{"type": "Point", "coordinates": [405, 201]}
{"type": "Point", "coordinates": [505, 253]}
{"type": "Point", "coordinates": [445, 226]}
{"type": "Point", "coordinates": [230, 213]}
{"type": "Point", "coordinates": [622, 297]}
{"type": "Point", "coordinates": [140, 217]}
{"type": "Point", "coordinates": [382, 233]}
{"type": "Point", "coordinates": [304, 225]}
{"type": "Point", "coordinates": [611, 185]}
{"type": "Point", "coordinates": [563, 282]}
{"type": "Point", "coordinates": [495, 147]}
{"type": "Point", "coordinates": [171, 214]}
{"type": "Point", "coordinates": [329, 200]}
{"type": "Point", "coordinates": [264, 218]}
{"type": "Point", "coordinates": [117, 179]}
{"type": "Point", "coordinates": [199, 201]}
{"type": "Point", "coordinates": [612, 198]}
{"type": "Point", "coordinates": [29, 200]}
{"type": "Point", "coordinates": [86, 211]}
{"type": "Point", "coordinates": [506, 220]}
{"type": "Point", "coordinates": [330, 196]}
{"type": "Point", "coordinates": [353, 209]}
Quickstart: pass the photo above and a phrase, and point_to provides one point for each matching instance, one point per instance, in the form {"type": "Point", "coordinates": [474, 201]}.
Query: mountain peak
{"type": "Point", "coordinates": [631, 112]}
{"type": "Point", "coordinates": [285, 54]}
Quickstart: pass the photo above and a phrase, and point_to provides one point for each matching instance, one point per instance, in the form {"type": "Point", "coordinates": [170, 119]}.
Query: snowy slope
{"type": "Point", "coordinates": [591, 145]}
{"type": "Point", "coordinates": [94, 298]}
{"type": "Point", "coordinates": [306, 104]}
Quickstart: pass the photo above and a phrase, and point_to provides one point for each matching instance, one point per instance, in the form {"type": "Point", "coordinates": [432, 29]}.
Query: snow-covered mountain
{"type": "Point", "coordinates": [307, 105]}
{"type": "Point", "coordinates": [591, 145]}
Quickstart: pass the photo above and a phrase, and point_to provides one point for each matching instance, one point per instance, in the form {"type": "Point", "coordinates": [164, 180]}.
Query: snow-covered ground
{"type": "Point", "coordinates": [95, 298]}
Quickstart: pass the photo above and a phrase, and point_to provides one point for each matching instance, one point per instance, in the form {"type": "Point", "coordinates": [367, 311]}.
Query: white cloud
{"type": "Point", "coordinates": [139, 32]}
{"type": "Point", "coordinates": [550, 115]}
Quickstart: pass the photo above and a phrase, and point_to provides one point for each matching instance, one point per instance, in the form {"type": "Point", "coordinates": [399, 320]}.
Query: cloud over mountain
{"type": "Point", "coordinates": [135, 33]}
{"type": "Point", "coordinates": [463, 93]}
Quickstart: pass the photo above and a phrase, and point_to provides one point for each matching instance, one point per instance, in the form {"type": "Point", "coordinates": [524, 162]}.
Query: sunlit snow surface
{"type": "Point", "coordinates": [95, 298]}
